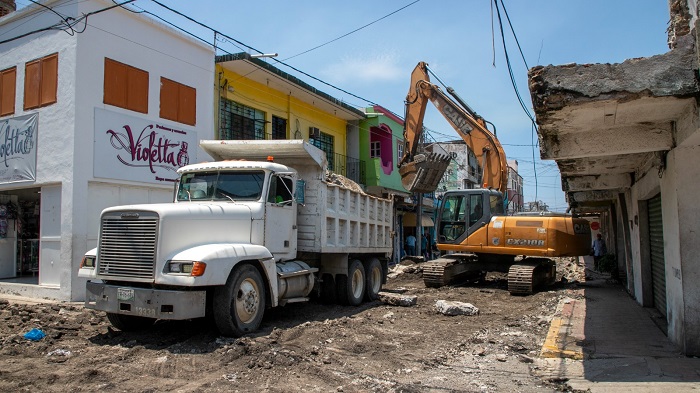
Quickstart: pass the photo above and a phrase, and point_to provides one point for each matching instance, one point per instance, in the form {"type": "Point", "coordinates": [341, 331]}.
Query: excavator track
{"type": "Point", "coordinates": [526, 275]}
{"type": "Point", "coordinates": [445, 271]}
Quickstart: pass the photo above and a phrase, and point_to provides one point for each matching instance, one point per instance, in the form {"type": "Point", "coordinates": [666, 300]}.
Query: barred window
{"type": "Point", "coordinates": [238, 121]}
{"type": "Point", "coordinates": [325, 142]}
{"type": "Point", "coordinates": [279, 128]}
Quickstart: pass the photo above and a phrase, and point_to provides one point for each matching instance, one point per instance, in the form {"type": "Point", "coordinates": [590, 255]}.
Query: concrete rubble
{"type": "Point", "coordinates": [395, 299]}
{"type": "Point", "coordinates": [453, 308]}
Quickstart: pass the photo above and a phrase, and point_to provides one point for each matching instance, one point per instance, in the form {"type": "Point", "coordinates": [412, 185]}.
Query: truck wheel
{"type": "Point", "coordinates": [373, 279]}
{"type": "Point", "coordinates": [351, 288]}
{"type": "Point", "coordinates": [129, 323]}
{"type": "Point", "coordinates": [239, 305]}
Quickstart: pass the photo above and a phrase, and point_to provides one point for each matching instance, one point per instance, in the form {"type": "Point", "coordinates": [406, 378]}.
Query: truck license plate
{"type": "Point", "coordinates": [125, 294]}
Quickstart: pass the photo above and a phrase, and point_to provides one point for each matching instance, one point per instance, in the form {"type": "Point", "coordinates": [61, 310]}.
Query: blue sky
{"type": "Point", "coordinates": [453, 36]}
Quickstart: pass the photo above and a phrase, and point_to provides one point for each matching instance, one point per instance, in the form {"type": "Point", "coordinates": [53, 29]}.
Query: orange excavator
{"type": "Point", "coordinates": [473, 231]}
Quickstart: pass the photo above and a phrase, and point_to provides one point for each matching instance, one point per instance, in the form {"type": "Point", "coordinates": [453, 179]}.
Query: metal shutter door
{"type": "Point", "coordinates": [656, 245]}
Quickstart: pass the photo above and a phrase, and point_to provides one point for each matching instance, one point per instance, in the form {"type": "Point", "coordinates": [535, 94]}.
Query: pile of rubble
{"type": "Point", "coordinates": [334, 178]}
{"type": "Point", "coordinates": [571, 269]}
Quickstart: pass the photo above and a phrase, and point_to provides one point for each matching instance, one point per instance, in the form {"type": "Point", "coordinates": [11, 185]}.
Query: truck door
{"type": "Point", "coordinates": [280, 218]}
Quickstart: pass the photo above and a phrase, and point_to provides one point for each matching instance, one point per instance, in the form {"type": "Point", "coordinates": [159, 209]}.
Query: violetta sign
{"type": "Point", "coordinates": [18, 148]}
{"type": "Point", "coordinates": [136, 149]}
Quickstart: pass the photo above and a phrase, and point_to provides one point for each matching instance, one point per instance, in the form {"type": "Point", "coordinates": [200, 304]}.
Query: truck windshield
{"type": "Point", "coordinates": [221, 186]}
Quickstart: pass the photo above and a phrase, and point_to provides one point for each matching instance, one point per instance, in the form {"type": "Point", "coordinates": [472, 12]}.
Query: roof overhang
{"type": "Point", "coordinates": [608, 124]}
{"type": "Point", "coordinates": [268, 75]}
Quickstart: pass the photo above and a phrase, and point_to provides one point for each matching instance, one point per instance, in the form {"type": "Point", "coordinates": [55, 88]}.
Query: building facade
{"type": "Point", "coordinates": [382, 146]}
{"type": "Point", "coordinates": [97, 118]}
{"type": "Point", "coordinates": [515, 200]}
{"type": "Point", "coordinates": [463, 172]}
{"type": "Point", "coordinates": [627, 148]}
{"type": "Point", "coordinates": [256, 100]}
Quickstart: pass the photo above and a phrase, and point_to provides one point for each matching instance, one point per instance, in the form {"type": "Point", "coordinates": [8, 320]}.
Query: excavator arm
{"type": "Point", "coordinates": [422, 172]}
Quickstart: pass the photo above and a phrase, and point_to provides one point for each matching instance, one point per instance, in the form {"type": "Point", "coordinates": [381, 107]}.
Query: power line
{"type": "Point", "coordinates": [258, 51]}
{"type": "Point", "coordinates": [70, 25]}
{"type": "Point", "coordinates": [354, 31]}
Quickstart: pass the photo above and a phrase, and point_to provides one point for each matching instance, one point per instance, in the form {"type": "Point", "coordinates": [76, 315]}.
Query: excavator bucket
{"type": "Point", "coordinates": [423, 174]}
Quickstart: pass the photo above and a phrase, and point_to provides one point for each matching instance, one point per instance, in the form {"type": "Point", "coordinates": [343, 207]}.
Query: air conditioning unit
{"type": "Point", "coordinates": [314, 133]}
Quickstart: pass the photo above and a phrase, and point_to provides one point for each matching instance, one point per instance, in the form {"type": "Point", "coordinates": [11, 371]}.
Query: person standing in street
{"type": "Point", "coordinates": [598, 250]}
{"type": "Point", "coordinates": [410, 245]}
{"type": "Point", "coordinates": [425, 246]}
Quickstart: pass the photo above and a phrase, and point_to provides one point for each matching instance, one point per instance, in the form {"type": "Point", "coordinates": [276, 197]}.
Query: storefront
{"type": "Point", "coordinates": [19, 235]}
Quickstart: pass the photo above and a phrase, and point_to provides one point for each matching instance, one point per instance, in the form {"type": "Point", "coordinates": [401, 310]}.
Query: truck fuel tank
{"type": "Point", "coordinates": [295, 279]}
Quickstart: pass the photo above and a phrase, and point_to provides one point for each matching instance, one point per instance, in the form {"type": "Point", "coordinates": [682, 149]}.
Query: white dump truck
{"type": "Point", "coordinates": [261, 227]}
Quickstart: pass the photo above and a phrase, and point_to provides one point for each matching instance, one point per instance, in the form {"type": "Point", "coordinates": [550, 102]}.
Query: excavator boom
{"type": "Point", "coordinates": [422, 172]}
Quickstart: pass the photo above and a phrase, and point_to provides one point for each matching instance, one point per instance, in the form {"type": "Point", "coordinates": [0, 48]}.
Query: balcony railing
{"type": "Point", "coordinates": [352, 168]}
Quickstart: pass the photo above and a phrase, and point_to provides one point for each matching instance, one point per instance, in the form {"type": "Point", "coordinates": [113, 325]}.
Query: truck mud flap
{"type": "Point", "coordinates": [423, 174]}
{"type": "Point", "coordinates": [145, 302]}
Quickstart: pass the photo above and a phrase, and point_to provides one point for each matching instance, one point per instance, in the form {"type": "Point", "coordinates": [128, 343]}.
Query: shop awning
{"type": "Point", "coordinates": [409, 220]}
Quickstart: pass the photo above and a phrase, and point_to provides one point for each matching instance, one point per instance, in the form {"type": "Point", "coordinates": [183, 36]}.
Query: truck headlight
{"type": "Point", "coordinates": [88, 262]}
{"type": "Point", "coordinates": [189, 268]}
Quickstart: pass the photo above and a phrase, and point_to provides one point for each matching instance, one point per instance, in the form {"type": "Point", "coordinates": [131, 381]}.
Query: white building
{"type": "Point", "coordinates": [515, 188]}
{"type": "Point", "coordinates": [98, 117]}
{"type": "Point", "coordinates": [464, 171]}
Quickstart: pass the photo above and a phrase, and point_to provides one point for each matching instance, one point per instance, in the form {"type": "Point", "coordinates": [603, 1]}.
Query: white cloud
{"type": "Point", "coordinates": [364, 69]}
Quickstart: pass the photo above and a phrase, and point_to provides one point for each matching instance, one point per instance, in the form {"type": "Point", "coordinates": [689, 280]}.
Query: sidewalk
{"type": "Point", "coordinates": [606, 342]}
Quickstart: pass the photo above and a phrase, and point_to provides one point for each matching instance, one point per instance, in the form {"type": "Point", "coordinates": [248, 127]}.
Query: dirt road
{"type": "Point", "coordinates": [300, 347]}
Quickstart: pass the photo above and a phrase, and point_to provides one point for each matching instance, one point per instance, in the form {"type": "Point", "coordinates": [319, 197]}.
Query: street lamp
{"type": "Point", "coordinates": [263, 55]}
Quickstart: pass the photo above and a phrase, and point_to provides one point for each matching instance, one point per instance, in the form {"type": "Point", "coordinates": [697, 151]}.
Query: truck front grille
{"type": "Point", "coordinates": [128, 247]}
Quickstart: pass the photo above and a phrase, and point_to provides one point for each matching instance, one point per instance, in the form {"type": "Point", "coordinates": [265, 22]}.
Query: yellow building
{"type": "Point", "coordinates": [256, 100]}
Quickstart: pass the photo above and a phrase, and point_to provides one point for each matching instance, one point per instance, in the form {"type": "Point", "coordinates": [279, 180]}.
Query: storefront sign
{"type": "Point", "coordinates": [136, 149]}
{"type": "Point", "coordinates": [18, 148]}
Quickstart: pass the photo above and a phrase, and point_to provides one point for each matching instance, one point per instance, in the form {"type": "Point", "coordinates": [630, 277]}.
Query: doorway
{"type": "Point", "coordinates": [19, 235]}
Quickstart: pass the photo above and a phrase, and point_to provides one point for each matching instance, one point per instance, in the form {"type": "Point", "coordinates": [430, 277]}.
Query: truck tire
{"type": "Point", "coordinates": [373, 279]}
{"type": "Point", "coordinates": [351, 287]}
{"type": "Point", "coordinates": [129, 323]}
{"type": "Point", "coordinates": [239, 305]}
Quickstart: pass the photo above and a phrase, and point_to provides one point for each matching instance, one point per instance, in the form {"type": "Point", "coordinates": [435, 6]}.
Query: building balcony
{"type": "Point", "coordinates": [352, 168]}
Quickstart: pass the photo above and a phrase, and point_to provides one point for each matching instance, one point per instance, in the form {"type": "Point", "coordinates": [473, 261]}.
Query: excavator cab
{"type": "Point", "coordinates": [464, 211]}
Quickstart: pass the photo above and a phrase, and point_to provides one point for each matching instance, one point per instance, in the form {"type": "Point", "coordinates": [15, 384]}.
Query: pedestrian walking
{"type": "Point", "coordinates": [425, 246]}
{"type": "Point", "coordinates": [410, 245]}
{"type": "Point", "coordinates": [598, 249]}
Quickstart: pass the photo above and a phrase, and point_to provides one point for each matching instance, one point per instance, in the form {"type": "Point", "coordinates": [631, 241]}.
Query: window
{"type": "Point", "coordinates": [41, 82]}
{"type": "Point", "coordinates": [237, 121]}
{"type": "Point", "coordinates": [280, 190]}
{"type": "Point", "coordinates": [325, 142]}
{"type": "Point", "coordinates": [399, 149]}
{"type": "Point", "coordinates": [452, 218]}
{"type": "Point", "coordinates": [8, 81]}
{"type": "Point", "coordinates": [375, 149]}
{"type": "Point", "coordinates": [496, 202]}
{"type": "Point", "coordinates": [221, 186]}
{"type": "Point", "coordinates": [279, 128]}
{"type": "Point", "coordinates": [125, 86]}
{"type": "Point", "coordinates": [178, 102]}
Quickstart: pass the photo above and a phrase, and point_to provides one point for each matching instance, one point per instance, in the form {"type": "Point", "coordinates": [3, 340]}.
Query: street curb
{"type": "Point", "coordinates": [565, 334]}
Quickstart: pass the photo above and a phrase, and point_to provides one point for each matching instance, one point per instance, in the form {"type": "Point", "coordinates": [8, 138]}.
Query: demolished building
{"type": "Point", "coordinates": [626, 139]}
